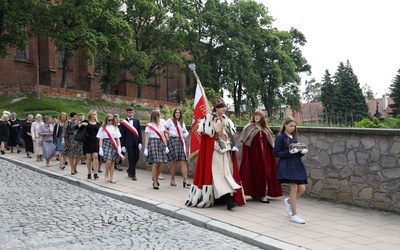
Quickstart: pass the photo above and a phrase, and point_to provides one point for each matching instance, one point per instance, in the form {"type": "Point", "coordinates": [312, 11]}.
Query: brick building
{"type": "Point", "coordinates": [40, 64]}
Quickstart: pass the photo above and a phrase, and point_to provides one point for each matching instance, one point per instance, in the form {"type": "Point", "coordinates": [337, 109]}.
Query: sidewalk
{"type": "Point", "coordinates": [328, 226]}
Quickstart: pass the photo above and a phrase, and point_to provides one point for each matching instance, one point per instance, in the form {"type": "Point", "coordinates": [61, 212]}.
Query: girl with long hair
{"type": "Point", "coordinates": [175, 129]}
{"type": "Point", "coordinates": [291, 169]}
{"type": "Point", "coordinates": [155, 146]}
{"type": "Point", "coordinates": [258, 167]}
{"type": "Point", "coordinates": [110, 145]}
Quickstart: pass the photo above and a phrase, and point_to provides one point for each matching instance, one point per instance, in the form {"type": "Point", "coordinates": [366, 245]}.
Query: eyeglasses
{"type": "Point", "coordinates": [110, 120]}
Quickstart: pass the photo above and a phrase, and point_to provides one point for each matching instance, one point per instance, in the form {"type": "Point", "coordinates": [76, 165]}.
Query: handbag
{"type": "Point", "coordinates": [81, 135]}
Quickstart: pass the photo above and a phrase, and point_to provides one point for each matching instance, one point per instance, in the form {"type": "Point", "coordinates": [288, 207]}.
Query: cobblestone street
{"type": "Point", "coordinates": [39, 212]}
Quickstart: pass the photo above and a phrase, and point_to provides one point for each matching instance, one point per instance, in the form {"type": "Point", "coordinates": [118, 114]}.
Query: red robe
{"type": "Point", "coordinates": [258, 168]}
{"type": "Point", "coordinates": [201, 190]}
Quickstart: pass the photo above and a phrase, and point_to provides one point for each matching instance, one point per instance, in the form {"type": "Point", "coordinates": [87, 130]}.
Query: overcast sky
{"type": "Point", "coordinates": [364, 32]}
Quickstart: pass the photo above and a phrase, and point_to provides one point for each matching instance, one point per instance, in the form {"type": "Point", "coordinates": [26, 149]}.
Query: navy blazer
{"type": "Point", "coordinates": [128, 139]}
{"type": "Point", "coordinates": [290, 166]}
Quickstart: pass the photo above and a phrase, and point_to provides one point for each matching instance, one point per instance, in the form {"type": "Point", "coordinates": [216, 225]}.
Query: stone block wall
{"type": "Point", "coordinates": [358, 167]}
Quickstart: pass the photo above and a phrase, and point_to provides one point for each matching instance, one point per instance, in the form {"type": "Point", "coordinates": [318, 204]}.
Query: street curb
{"type": "Point", "coordinates": [199, 220]}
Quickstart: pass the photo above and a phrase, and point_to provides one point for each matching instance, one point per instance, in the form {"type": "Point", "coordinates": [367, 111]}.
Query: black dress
{"type": "Point", "coordinates": [26, 128]}
{"type": "Point", "coordinates": [91, 145]}
{"type": "Point", "coordinates": [15, 133]}
{"type": "Point", "coordinates": [4, 131]}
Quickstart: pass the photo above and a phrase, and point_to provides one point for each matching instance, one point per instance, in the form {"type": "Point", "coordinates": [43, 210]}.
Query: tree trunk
{"type": "Point", "coordinates": [65, 72]}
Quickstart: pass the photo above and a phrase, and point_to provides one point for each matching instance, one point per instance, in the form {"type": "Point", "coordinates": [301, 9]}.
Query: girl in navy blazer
{"type": "Point", "coordinates": [291, 169]}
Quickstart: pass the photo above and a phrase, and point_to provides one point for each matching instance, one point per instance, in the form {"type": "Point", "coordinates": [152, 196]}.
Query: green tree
{"type": "Point", "coordinates": [312, 92]}
{"type": "Point", "coordinates": [395, 95]}
{"type": "Point", "coordinates": [349, 102]}
{"type": "Point", "coordinates": [367, 92]}
{"type": "Point", "coordinates": [328, 88]}
{"type": "Point", "coordinates": [115, 51]}
{"type": "Point", "coordinates": [15, 19]}
{"type": "Point", "coordinates": [157, 36]}
{"type": "Point", "coordinates": [71, 25]}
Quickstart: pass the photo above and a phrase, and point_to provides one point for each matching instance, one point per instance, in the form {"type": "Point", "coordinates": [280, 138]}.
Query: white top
{"type": "Point", "coordinates": [152, 133]}
{"type": "Point", "coordinates": [172, 129]}
{"type": "Point", "coordinates": [113, 130]}
{"type": "Point", "coordinates": [35, 129]}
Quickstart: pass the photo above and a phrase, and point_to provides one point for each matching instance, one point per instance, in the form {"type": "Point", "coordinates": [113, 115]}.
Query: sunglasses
{"type": "Point", "coordinates": [110, 120]}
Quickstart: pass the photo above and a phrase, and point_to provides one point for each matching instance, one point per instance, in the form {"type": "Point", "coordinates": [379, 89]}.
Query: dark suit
{"type": "Point", "coordinates": [131, 142]}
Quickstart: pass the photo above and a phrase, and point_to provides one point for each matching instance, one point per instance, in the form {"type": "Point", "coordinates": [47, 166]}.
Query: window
{"type": "Point", "coordinates": [60, 59]}
{"type": "Point", "coordinates": [21, 54]}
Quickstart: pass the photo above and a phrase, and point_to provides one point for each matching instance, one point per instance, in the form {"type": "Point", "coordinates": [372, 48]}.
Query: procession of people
{"type": "Point", "coordinates": [218, 177]}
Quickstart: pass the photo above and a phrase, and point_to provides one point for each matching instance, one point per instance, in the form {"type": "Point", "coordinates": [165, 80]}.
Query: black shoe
{"type": "Point", "coordinates": [89, 176]}
{"type": "Point", "coordinates": [18, 151]}
{"type": "Point", "coordinates": [2, 152]}
{"type": "Point", "coordinates": [119, 169]}
{"type": "Point", "coordinates": [75, 171]}
{"type": "Point", "coordinates": [231, 205]}
{"type": "Point", "coordinates": [95, 176]}
{"type": "Point", "coordinates": [267, 201]}
{"type": "Point", "coordinates": [99, 171]}
{"type": "Point", "coordinates": [65, 163]}
{"type": "Point", "coordinates": [83, 162]}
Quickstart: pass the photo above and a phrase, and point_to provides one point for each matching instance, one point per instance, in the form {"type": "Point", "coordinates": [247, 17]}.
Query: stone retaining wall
{"type": "Point", "coordinates": [345, 165]}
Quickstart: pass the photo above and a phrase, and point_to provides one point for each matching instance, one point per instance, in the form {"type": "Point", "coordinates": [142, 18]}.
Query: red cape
{"type": "Point", "coordinates": [203, 171]}
{"type": "Point", "coordinates": [258, 168]}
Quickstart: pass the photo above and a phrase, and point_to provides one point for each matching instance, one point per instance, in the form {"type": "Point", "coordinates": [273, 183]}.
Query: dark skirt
{"type": "Point", "coordinates": [28, 143]}
{"type": "Point", "coordinates": [156, 152]}
{"type": "Point", "coordinates": [176, 150]}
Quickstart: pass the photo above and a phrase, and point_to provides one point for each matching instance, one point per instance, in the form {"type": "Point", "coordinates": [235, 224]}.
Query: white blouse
{"type": "Point", "coordinates": [152, 133]}
{"type": "Point", "coordinates": [113, 130]}
{"type": "Point", "coordinates": [172, 129]}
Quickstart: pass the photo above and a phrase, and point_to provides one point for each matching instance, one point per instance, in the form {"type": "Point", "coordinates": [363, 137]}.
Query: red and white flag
{"type": "Point", "coordinates": [201, 109]}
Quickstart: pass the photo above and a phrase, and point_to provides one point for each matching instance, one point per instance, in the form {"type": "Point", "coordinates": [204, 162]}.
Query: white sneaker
{"type": "Point", "coordinates": [288, 207]}
{"type": "Point", "coordinates": [297, 219]}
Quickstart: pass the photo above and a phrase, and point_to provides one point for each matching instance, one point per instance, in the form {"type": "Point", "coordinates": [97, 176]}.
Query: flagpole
{"type": "Point", "coordinates": [192, 66]}
{"type": "Point", "coordinates": [200, 109]}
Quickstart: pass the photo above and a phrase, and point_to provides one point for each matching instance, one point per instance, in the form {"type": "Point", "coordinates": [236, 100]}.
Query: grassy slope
{"type": "Point", "coordinates": [54, 106]}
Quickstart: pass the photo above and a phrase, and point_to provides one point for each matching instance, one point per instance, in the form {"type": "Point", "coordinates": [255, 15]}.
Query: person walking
{"type": "Point", "coordinates": [72, 149]}
{"type": "Point", "coordinates": [91, 145]}
{"type": "Point", "coordinates": [131, 140]}
{"type": "Point", "coordinates": [118, 121]}
{"type": "Point", "coordinates": [216, 174]}
{"type": "Point", "coordinates": [57, 138]}
{"type": "Point", "coordinates": [4, 132]}
{"type": "Point", "coordinates": [27, 136]}
{"type": "Point", "coordinates": [110, 145]}
{"type": "Point", "coordinates": [37, 142]}
{"type": "Point", "coordinates": [291, 169]}
{"type": "Point", "coordinates": [82, 156]}
{"type": "Point", "coordinates": [258, 167]}
{"type": "Point", "coordinates": [155, 146]}
{"type": "Point", "coordinates": [176, 133]}
{"type": "Point", "coordinates": [14, 138]}
{"type": "Point", "coordinates": [46, 134]}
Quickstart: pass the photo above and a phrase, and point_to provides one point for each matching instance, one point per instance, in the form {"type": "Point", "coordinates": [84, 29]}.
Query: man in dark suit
{"type": "Point", "coordinates": [131, 140]}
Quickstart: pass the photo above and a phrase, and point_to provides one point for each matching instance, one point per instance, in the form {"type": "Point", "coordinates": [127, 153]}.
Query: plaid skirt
{"type": "Point", "coordinates": [176, 150]}
{"type": "Point", "coordinates": [156, 152]}
{"type": "Point", "coordinates": [110, 153]}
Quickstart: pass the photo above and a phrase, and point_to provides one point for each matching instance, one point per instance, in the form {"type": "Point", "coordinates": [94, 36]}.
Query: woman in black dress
{"type": "Point", "coordinates": [14, 139]}
{"type": "Point", "coordinates": [26, 134]}
{"type": "Point", "coordinates": [91, 145]}
{"type": "Point", "coordinates": [4, 132]}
